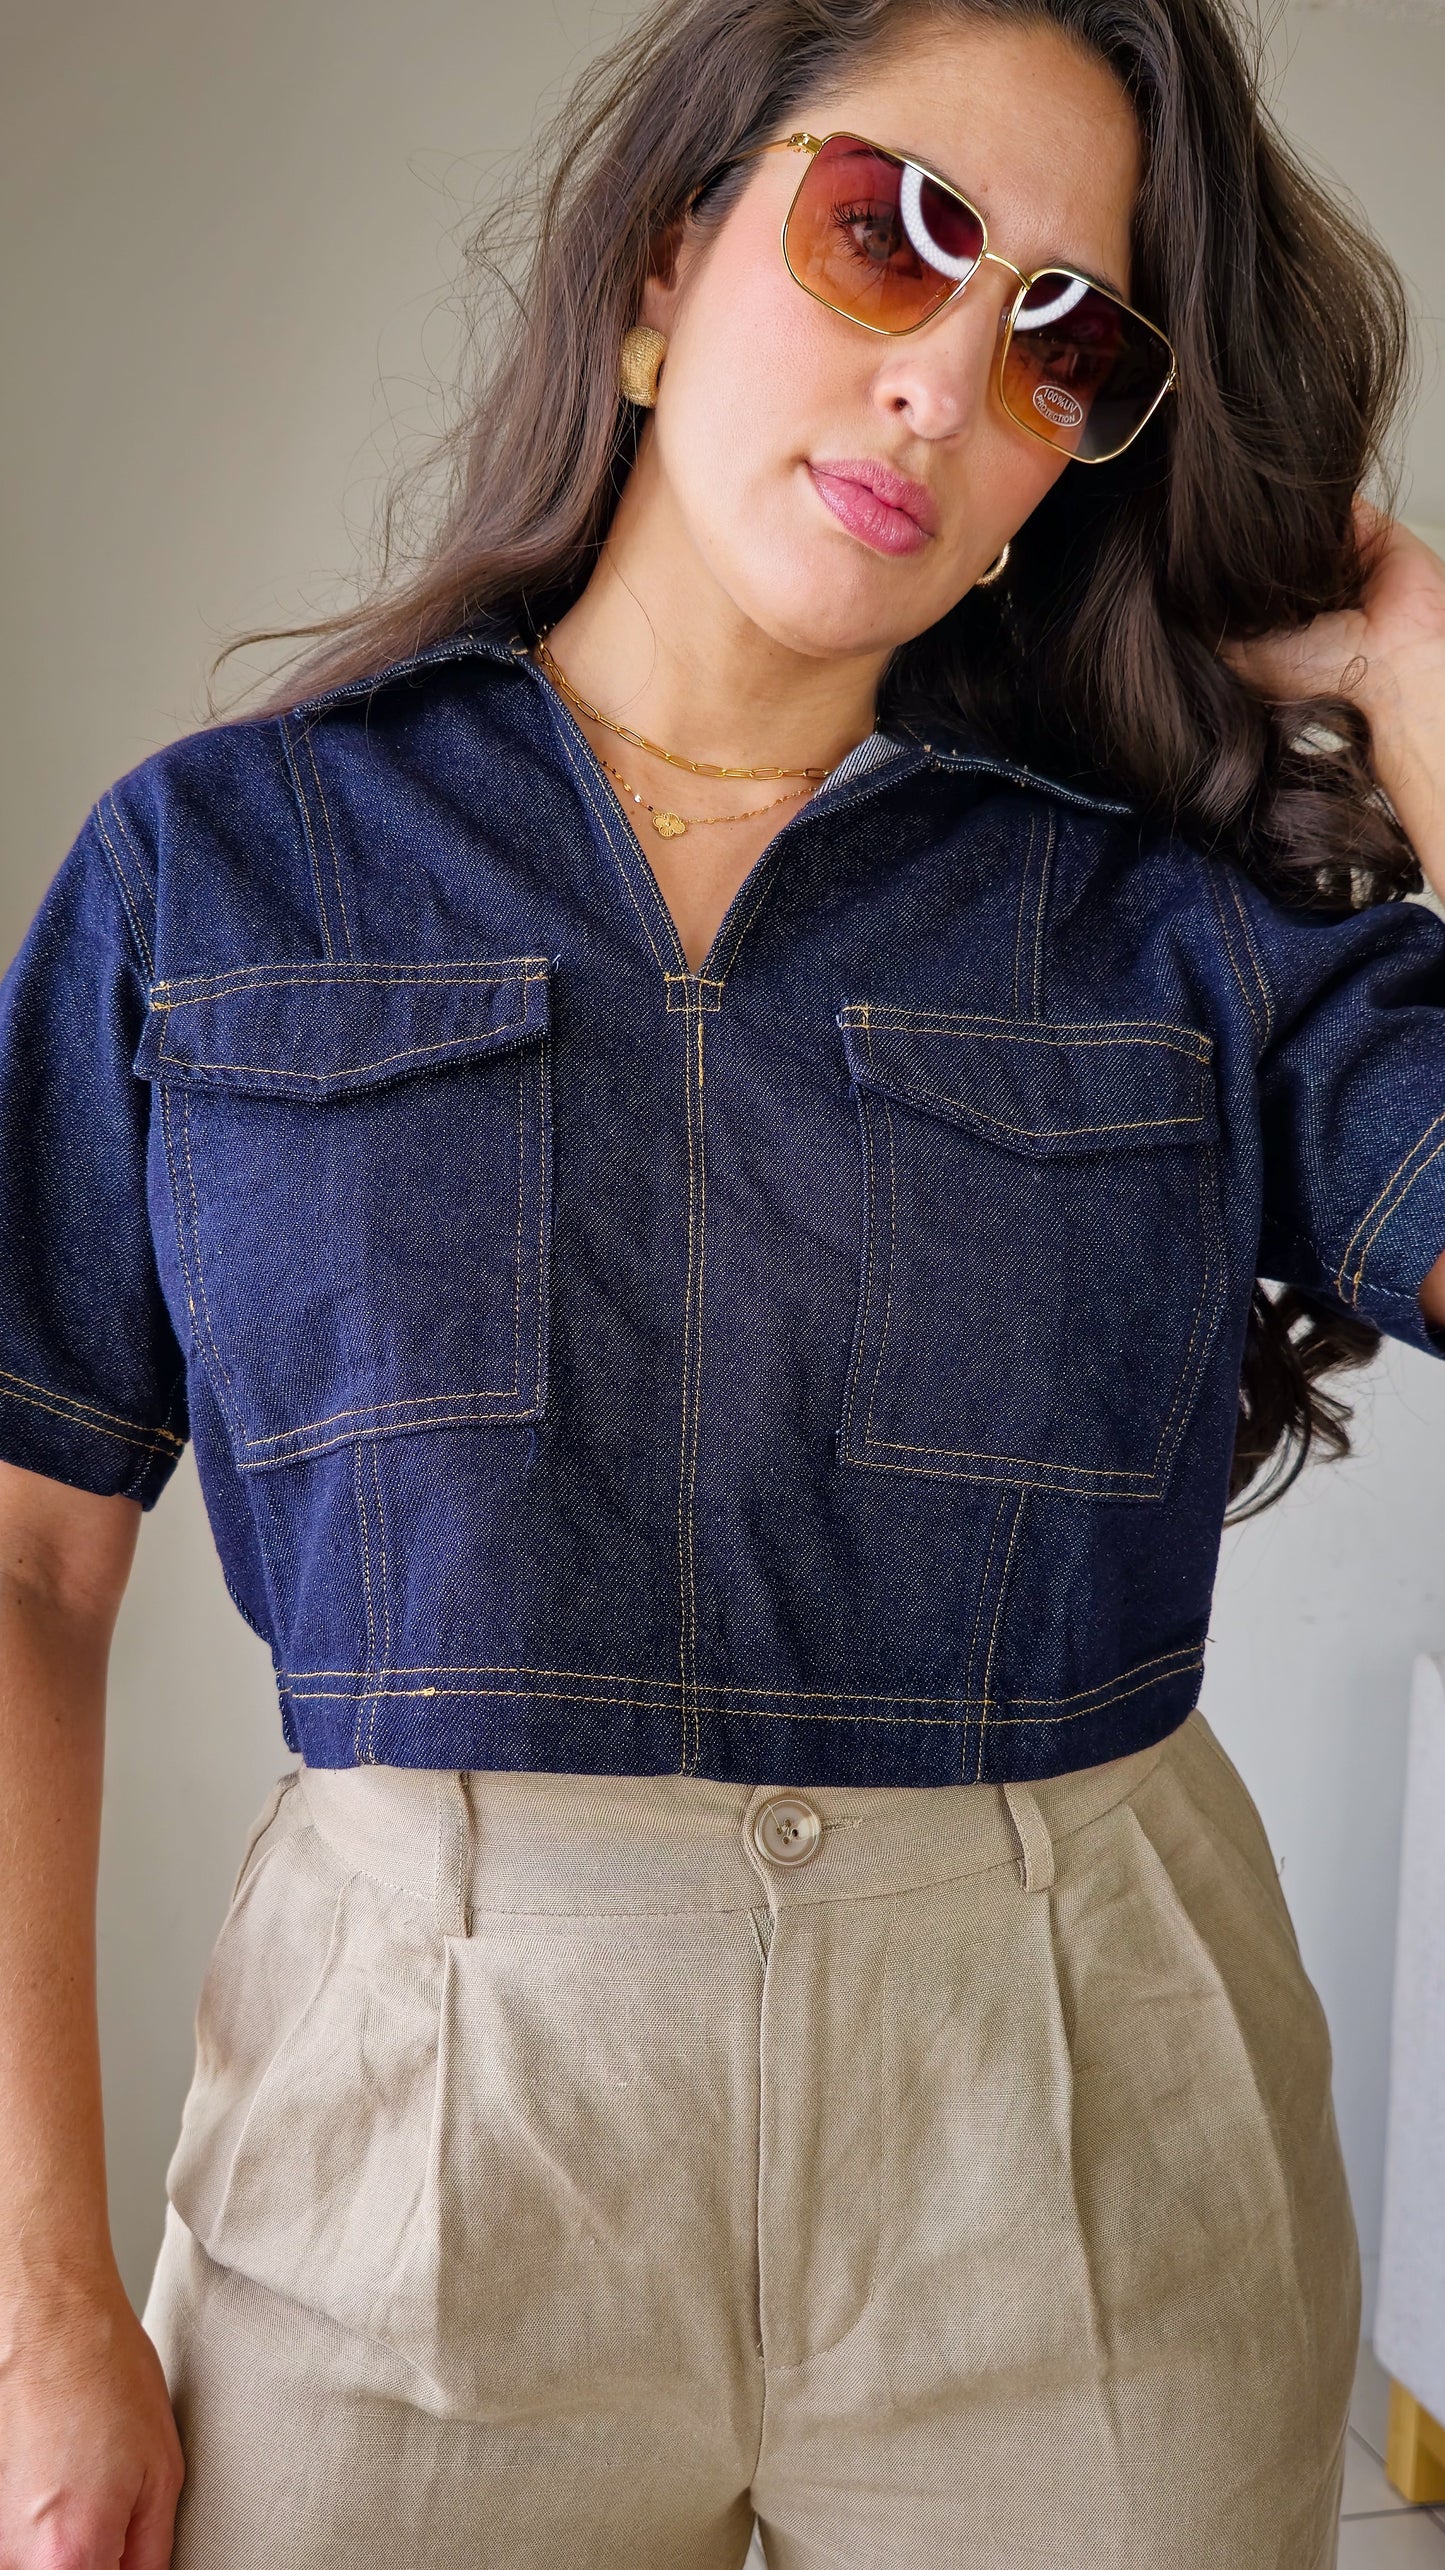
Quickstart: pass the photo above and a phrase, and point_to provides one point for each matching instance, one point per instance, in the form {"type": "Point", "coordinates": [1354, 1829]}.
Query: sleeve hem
{"type": "Point", "coordinates": [48, 1431]}
{"type": "Point", "coordinates": [1381, 1214]}
{"type": "Point", "coordinates": [1412, 1231]}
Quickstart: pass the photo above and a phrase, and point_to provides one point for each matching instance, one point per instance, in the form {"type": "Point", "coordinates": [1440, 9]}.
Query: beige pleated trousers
{"type": "Point", "coordinates": [576, 2166]}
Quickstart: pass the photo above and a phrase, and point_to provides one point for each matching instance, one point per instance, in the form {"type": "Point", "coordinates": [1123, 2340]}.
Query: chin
{"type": "Point", "coordinates": [824, 611]}
{"type": "Point", "coordinates": [841, 635]}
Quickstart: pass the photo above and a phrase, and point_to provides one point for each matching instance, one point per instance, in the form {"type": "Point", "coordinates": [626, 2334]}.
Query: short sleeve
{"type": "Point", "coordinates": [1352, 1105]}
{"type": "Point", "coordinates": [92, 1379]}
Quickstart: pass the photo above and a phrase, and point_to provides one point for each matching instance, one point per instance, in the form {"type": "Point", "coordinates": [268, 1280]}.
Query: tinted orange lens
{"type": "Point", "coordinates": [876, 238]}
{"type": "Point", "coordinates": [1081, 370]}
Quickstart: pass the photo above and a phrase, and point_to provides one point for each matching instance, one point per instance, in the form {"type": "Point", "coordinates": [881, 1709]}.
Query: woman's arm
{"type": "Point", "coordinates": [88, 2445]}
{"type": "Point", "coordinates": [1389, 654]}
{"type": "Point", "coordinates": [1403, 692]}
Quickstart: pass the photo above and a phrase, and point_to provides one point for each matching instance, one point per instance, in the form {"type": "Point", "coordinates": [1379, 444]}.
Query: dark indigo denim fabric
{"type": "Point", "coordinates": [819, 1368]}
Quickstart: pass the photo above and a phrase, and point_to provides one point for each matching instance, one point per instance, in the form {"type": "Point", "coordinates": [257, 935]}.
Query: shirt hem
{"type": "Point", "coordinates": [513, 1723]}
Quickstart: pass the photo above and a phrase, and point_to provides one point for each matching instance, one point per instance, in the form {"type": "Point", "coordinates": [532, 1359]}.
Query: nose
{"type": "Point", "coordinates": [942, 376]}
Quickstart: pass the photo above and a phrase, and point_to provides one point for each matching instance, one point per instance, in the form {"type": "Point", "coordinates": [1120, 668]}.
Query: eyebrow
{"type": "Point", "coordinates": [1075, 267]}
{"type": "Point", "coordinates": [1105, 284]}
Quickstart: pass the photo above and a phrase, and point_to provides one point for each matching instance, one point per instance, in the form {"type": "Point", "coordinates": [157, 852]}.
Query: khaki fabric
{"type": "Point", "coordinates": [565, 2179]}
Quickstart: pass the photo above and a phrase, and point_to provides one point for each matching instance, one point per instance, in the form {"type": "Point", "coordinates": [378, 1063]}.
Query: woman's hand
{"type": "Point", "coordinates": [90, 2461]}
{"type": "Point", "coordinates": [1389, 655]}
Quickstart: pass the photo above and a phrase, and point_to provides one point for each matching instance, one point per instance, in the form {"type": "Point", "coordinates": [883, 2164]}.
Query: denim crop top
{"type": "Point", "coordinates": [822, 1367]}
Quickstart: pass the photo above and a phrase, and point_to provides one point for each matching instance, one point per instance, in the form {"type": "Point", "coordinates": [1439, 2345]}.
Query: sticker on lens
{"type": "Point", "coordinates": [1057, 406]}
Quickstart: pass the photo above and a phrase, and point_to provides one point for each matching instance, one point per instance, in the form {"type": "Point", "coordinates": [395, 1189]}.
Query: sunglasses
{"type": "Point", "coordinates": [887, 243]}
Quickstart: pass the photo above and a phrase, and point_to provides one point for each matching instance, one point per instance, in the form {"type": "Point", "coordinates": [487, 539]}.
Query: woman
{"type": "Point", "coordinates": [690, 1120]}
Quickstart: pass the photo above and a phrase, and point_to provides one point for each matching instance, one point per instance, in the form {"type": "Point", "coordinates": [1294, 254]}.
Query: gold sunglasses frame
{"type": "Point", "coordinates": [813, 143]}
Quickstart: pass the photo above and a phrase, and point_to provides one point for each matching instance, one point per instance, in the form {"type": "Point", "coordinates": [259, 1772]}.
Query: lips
{"type": "Point", "coordinates": [883, 507]}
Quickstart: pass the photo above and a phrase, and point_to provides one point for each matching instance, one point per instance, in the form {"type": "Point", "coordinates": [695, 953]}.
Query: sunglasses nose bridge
{"type": "Point", "coordinates": [1001, 262]}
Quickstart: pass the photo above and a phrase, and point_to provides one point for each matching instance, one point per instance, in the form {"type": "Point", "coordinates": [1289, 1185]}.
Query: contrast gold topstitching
{"type": "Point", "coordinates": [914, 1092]}
{"type": "Point", "coordinates": [517, 1246]}
{"type": "Point", "coordinates": [1019, 1506]}
{"type": "Point", "coordinates": [159, 1444]}
{"type": "Point", "coordinates": [1210, 873]}
{"type": "Point", "coordinates": [1401, 1165]}
{"type": "Point", "coordinates": [1127, 1032]}
{"type": "Point", "coordinates": [690, 1392]}
{"type": "Point", "coordinates": [123, 887]}
{"type": "Point", "coordinates": [368, 1610]}
{"type": "Point", "coordinates": [476, 1039]}
{"type": "Point", "coordinates": [464, 971]}
{"type": "Point", "coordinates": [1254, 956]}
{"type": "Point", "coordinates": [205, 1313]}
{"type": "Point", "coordinates": [323, 917]}
{"type": "Point", "coordinates": [91, 1412]}
{"type": "Point", "coordinates": [1388, 1215]}
{"type": "Point", "coordinates": [385, 1585]}
{"type": "Point", "coordinates": [330, 836]}
{"type": "Point", "coordinates": [585, 787]}
{"type": "Point", "coordinates": [462, 1044]}
{"type": "Point", "coordinates": [983, 1586]}
{"type": "Point", "coordinates": [1025, 877]}
{"type": "Point", "coordinates": [697, 1385]}
{"type": "Point", "coordinates": [761, 889]}
{"type": "Point", "coordinates": [892, 1260]}
{"type": "Point", "coordinates": [1162, 1661]}
{"type": "Point", "coordinates": [1051, 829]}
{"type": "Point", "coordinates": [731, 1711]}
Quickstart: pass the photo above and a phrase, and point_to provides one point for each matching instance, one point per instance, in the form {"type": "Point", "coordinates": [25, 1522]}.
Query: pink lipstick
{"type": "Point", "coordinates": [877, 505]}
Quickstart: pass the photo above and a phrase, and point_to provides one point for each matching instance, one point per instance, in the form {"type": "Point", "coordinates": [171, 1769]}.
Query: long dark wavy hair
{"type": "Point", "coordinates": [1097, 657]}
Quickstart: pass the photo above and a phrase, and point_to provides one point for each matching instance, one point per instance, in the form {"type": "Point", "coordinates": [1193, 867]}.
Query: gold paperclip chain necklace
{"type": "Point", "coordinates": [667, 824]}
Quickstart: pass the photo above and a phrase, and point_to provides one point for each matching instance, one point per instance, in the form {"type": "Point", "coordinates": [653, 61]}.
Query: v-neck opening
{"type": "Point", "coordinates": [878, 749]}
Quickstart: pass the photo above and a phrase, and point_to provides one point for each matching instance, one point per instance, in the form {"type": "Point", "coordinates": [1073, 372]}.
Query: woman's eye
{"type": "Point", "coordinates": [872, 231]}
{"type": "Point", "coordinates": [1080, 368]}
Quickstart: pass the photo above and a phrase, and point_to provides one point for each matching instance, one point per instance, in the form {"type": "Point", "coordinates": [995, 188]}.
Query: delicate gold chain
{"type": "Point", "coordinates": [671, 825]}
{"type": "Point", "coordinates": [639, 740]}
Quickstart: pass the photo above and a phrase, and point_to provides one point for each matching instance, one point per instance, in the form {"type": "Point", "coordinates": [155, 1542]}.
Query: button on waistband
{"type": "Point", "coordinates": [787, 1830]}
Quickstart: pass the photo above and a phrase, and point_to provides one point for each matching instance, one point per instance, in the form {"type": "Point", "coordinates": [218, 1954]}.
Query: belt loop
{"type": "Point", "coordinates": [1036, 1869]}
{"type": "Point", "coordinates": [453, 1844]}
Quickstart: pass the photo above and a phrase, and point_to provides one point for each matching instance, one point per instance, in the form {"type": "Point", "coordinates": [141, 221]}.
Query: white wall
{"type": "Point", "coordinates": [222, 234]}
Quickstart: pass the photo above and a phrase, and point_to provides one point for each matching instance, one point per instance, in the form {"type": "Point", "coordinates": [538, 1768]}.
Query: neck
{"type": "Point", "coordinates": [654, 642]}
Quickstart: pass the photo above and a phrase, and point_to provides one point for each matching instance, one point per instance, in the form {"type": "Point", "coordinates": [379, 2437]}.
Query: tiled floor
{"type": "Point", "coordinates": [1377, 2530]}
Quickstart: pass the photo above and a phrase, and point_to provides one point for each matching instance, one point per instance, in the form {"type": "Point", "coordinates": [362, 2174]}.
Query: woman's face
{"type": "Point", "coordinates": [763, 387]}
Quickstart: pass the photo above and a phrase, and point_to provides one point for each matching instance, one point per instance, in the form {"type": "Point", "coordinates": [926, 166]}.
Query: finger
{"type": "Point", "coordinates": [150, 2535]}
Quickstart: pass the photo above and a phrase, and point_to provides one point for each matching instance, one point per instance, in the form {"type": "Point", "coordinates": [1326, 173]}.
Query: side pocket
{"type": "Point", "coordinates": [276, 1795]}
{"type": "Point", "coordinates": [304, 2147]}
{"type": "Point", "coordinates": [1235, 1811]}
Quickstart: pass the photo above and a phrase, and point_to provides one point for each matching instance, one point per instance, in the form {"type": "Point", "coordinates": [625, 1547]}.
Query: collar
{"type": "Point", "coordinates": [948, 744]}
{"type": "Point", "coordinates": [486, 637]}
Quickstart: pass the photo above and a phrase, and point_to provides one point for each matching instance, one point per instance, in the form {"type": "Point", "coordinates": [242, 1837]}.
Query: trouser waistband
{"type": "Point", "coordinates": [509, 1840]}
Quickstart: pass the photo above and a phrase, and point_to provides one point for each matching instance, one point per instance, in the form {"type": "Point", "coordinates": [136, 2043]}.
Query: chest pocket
{"type": "Point", "coordinates": [359, 1161]}
{"type": "Point", "coordinates": [1043, 1264]}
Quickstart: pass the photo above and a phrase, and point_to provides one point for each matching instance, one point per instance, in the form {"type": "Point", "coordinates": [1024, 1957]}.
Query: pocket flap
{"type": "Point", "coordinates": [1048, 1089]}
{"type": "Point", "coordinates": [301, 1030]}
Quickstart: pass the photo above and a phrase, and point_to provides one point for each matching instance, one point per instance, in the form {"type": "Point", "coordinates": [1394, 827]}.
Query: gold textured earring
{"type": "Point", "coordinates": [643, 350]}
{"type": "Point", "coordinates": [992, 572]}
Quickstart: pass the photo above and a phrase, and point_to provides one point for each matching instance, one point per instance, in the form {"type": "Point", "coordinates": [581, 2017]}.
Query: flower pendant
{"type": "Point", "coordinates": [668, 825]}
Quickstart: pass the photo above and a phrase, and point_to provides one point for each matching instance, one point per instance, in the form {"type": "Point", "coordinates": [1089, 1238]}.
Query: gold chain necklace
{"type": "Point", "coordinates": [639, 740]}
{"type": "Point", "coordinates": [671, 825]}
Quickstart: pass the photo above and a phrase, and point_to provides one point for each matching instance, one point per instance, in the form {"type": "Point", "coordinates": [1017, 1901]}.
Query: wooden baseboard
{"type": "Point", "coordinates": [1415, 2450]}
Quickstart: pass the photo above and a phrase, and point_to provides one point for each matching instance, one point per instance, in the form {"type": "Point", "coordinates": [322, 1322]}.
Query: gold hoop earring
{"type": "Point", "coordinates": [642, 353]}
{"type": "Point", "coordinates": [992, 572]}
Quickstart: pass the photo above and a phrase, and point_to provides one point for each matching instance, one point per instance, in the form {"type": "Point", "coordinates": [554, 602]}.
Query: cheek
{"type": "Point", "coordinates": [748, 390]}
